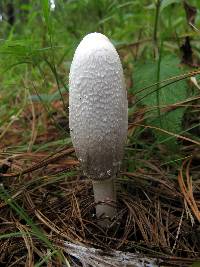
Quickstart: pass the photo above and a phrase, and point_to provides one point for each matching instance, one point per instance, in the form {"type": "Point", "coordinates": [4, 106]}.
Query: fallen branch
{"type": "Point", "coordinates": [98, 258]}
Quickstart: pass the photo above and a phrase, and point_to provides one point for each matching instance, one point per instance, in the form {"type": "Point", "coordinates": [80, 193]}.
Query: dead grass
{"type": "Point", "coordinates": [158, 206]}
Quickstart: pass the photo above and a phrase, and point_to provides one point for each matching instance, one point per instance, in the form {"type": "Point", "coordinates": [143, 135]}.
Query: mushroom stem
{"type": "Point", "coordinates": [105, 199]}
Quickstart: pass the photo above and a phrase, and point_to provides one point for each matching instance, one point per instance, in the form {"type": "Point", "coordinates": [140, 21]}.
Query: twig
{"type": "Point", "coordinates": [41, 164]}
{"type": "Point", "coordinates": [98, 258]}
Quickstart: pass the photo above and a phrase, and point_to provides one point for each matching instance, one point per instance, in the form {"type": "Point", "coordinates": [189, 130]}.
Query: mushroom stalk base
{"type": "Point", "coordinates": [105, 199]}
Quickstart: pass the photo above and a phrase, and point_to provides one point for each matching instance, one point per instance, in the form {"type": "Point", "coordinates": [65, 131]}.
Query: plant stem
{"type": "Point", "coordinates": [158, 83]}
{"type": "Point", "coordinates": [158, 3]}
{"type": "Point", "coordinates": [105, 199]}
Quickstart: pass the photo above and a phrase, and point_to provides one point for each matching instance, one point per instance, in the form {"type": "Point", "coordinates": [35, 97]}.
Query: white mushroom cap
{"type": "Point", "coordinates": [98, 116]}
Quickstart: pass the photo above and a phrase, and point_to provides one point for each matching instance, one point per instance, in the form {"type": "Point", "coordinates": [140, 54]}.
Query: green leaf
{"type": "Point", "coordinates": [145, 75]}
{"type": "Point", "coordinates": [46, 13]}
{"type": "Point", "coordinates": [48, 97]}
{"type": "Point", "coordinates": [196, 264]}
{"type": "Point", "coordinates": [166, 3]}
{"type": "Point", "coordinates": [46, 10]}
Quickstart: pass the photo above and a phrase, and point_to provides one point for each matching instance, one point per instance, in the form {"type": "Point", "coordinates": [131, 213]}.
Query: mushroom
{"type": "Point", "coordinates": [98, 117]}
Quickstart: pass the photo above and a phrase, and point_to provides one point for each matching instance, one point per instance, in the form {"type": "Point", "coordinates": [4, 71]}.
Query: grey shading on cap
{"type": "Point", "coordinates": [98, 107]}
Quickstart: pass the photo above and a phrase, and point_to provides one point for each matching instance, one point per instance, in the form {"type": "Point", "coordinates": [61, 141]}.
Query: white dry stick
{"type": "Point", "coordinates": [98, 117]}
{"type": "Point", "coordinates": [113, 258]}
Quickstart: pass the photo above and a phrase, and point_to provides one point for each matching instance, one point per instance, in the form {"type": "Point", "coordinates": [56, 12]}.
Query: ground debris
{"type": "Point", "coordinates": [98, 258]}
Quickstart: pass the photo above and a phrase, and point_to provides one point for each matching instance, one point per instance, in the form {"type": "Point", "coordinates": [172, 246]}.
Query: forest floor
{"type": "Point", "coordinates": [47, 209]}
{"type": "Point", "coordinates": [50, 202]}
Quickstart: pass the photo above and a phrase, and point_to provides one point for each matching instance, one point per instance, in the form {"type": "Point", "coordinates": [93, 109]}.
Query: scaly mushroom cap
{"type": "Point", "coordinates": [98, 116]}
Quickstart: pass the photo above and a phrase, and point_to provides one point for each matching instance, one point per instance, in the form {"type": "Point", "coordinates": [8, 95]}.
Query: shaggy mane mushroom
{"type": "Point", "coordinates": [98, 117]}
